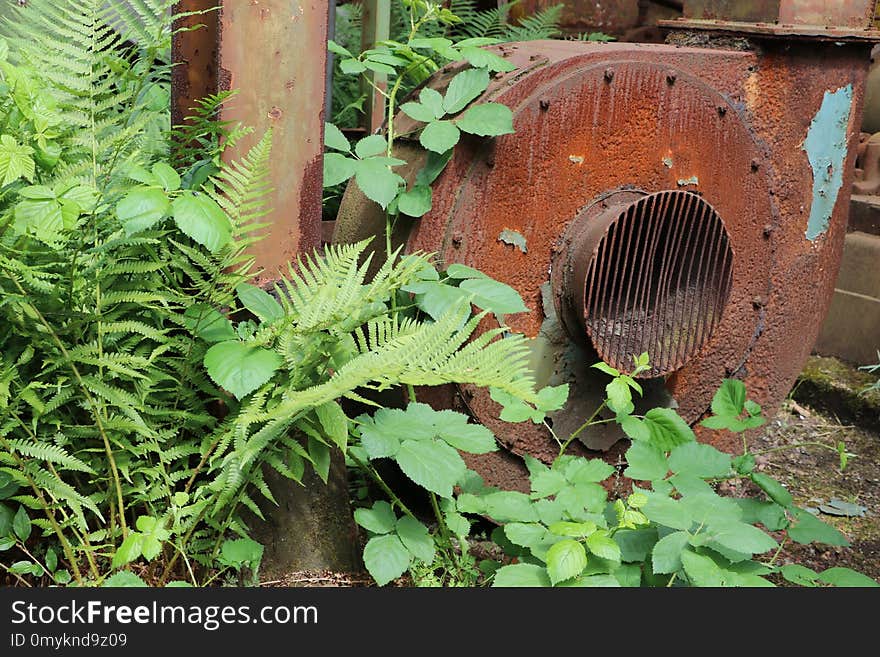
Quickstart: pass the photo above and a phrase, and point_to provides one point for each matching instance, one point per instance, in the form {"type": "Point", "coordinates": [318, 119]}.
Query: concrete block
{"type": "Point", "coordinates": [851, 330]}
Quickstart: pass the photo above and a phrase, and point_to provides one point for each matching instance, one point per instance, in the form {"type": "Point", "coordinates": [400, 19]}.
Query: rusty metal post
{"type": "Point", "coordinates": [194, 52]}
{"type": "Point", "coordinates": [376, 22]}
{"type": "Point", "coordinates": [273, 53]}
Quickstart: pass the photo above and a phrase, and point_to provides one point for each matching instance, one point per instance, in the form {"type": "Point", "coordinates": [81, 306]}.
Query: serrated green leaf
{"type": "Point", "coordinates": [525, 534]}
{"type": "Point", "coordinates": [846, 577]}
{"type": "Point", "coordinates": [241, 552]}
{"type": "Point", "coordinates": [645, 462]}
{"type": "Point", "coordinates": [351, 66]}
{"type": "Point", "coordinates": [371, 145]}
{"type": "Point", "coordinates": [668, 430]}
{"type": "Point", "coordinates": [547, 483]}
{"type": "Point", "coordinates": [200, 218]}
{"type": "Point", "coordinates": [439, 136]}
{"type": "Point", "coordinates": [573, 529]}
{"type": "Point", "coordinates": [581, 471]}
{"type": "Point", "coordinates": [208, 323]}
{"type": "Point", "coordinates": [240, 368]}
{"type": "Point", "coordinates": [416, 538]}
{"type": "Point", "coordinates": [167, 176]}
{"type": "Point", "coordinates": [741, 537]}
{"type": "Point", "coordinates": [463, 88]}
{"type": "Point", "coordinates": [129, 550]}
{"type": "Point", "coordinates": [26, 568]}
{"type": "Point", "coordinates": [603, 546]}
{"type": "Point", "coordinates": [701, 570]}
{"type": "Point", "coordinates": [380, 519]}
{"type": "Point", "coordinates": [141, 208]}
{"type": "Point", "coordinates": [510, 506]}
{"type": "Point", "coordinates": [565, 560]}
{"type": "Point", "coordinates": [418, 112]}
{"type": "Point", "coordinates": [480, 58]}
{"type": "Point", "coordinates": [123, 579]}
{"type": "Point", "coordinates": [486, 120]}
{"type": "Point", "coordinates": [605, 367]}
{"type": "Point", "coordinates": [15, 161]}
{"type": "Point", "coordinates": [635, 544]}
{"type": "Point", "coordinates": [807, 528]}
{"type": "Point", "coordinates": [338, 168]}
{"type": "Point", "coordinates": [800, 575]}
{"type": "Point", "coordinates": [433, 167]}
{"type": "Point", "coordinates": [337, 49]}
{"type": "Point", "coordinates": [667, 511]}
{"type": "Point", "coordinates": [386, 558]}
{"type": "Point", "coordinates": [634, 427]}
{"type": "Point", "coordinates": [699, 460]}
{"type": "Point", "coordinates": [333, 138]}
{"type": "Point", "coordinates": [769, 514]}
{"type": "Point", "coordinates": [666, 555]}
{"type": "Point", "coordinates": [730, 398]}
{"type": "Point", "coordinates": [415, 202]}
{"type": "Point", "coordinates": [432, 99]}
{"type": "Point", "coordinates": [521, 575]}
{"type": "Point", "coordinates": [377, 182]}
{"type": "Point", "coordinates": [494, 296]}
{"type": "Point", "coordinates": [619, 396]}
{"type": "Point", "coordinates": [552, 398]}
{"type": "Point", "coordinates": [431, 464]}
{"type": "Point", "coordinates": [259, 302]}
{"type": "Point", "coordinates": [775, 491]}
{"type": "Point", "coordinates": [334, 422]}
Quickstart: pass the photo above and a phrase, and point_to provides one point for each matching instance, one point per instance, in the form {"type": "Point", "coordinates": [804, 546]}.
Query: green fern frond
{"type": "Point", "coordinates": [50, 454]}
{"type": "Point", "coordinates": [543, 24]}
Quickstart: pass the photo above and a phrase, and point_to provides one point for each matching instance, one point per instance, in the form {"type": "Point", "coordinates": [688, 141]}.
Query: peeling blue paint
{"type": "Point", "coordinates": [826, 147]}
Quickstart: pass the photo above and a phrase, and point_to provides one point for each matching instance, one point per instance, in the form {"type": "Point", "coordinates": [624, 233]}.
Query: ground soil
{"type": "Point", "coordinates": [813, 476]}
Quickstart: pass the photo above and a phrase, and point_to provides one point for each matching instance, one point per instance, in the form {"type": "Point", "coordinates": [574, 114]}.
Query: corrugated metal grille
{"type": "Point", "coordinates": [658, 282]}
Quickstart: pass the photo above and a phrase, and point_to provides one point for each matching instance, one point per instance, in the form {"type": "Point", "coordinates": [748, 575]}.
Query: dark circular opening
{"type": "Point", "coordinates": [658, 282]}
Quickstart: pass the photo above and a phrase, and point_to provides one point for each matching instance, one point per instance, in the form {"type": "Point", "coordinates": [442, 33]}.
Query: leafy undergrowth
{"type": "Point", "coordinates": [813, 476]}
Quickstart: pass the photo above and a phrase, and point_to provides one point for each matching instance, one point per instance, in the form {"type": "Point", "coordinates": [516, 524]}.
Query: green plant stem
{"type": "Point", "coordinates": [381, 482]}
{"type": "Point", "coordinates": [778, 551]}
{"type": "Point", "coordinates": [586, 424]}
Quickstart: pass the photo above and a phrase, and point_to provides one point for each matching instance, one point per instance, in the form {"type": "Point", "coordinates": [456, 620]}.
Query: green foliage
{"type": "Point", "coordinates": [673, 529]}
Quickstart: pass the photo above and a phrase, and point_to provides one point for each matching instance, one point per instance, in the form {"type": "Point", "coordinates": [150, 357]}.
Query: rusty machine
{"type": "Point", "coordinates": [688, 199]}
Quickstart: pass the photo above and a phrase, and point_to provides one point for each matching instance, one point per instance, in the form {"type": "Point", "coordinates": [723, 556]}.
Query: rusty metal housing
{"type": "Point", "coordinates": [686, 201]}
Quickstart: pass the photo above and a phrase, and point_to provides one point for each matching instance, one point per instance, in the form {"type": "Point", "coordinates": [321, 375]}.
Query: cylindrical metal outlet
{"type": "Point", "coordinates": [647, 273]}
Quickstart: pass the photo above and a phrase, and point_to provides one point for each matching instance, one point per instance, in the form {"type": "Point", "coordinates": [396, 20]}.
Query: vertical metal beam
{"type": "Point", "coordinates": [376, 22]}
{"type": "Point", "coordinates": [273, 53]}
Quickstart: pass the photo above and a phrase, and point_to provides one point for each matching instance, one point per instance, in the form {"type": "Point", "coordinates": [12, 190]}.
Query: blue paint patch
{"type": "Point", "coordinates": [826, 147]}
